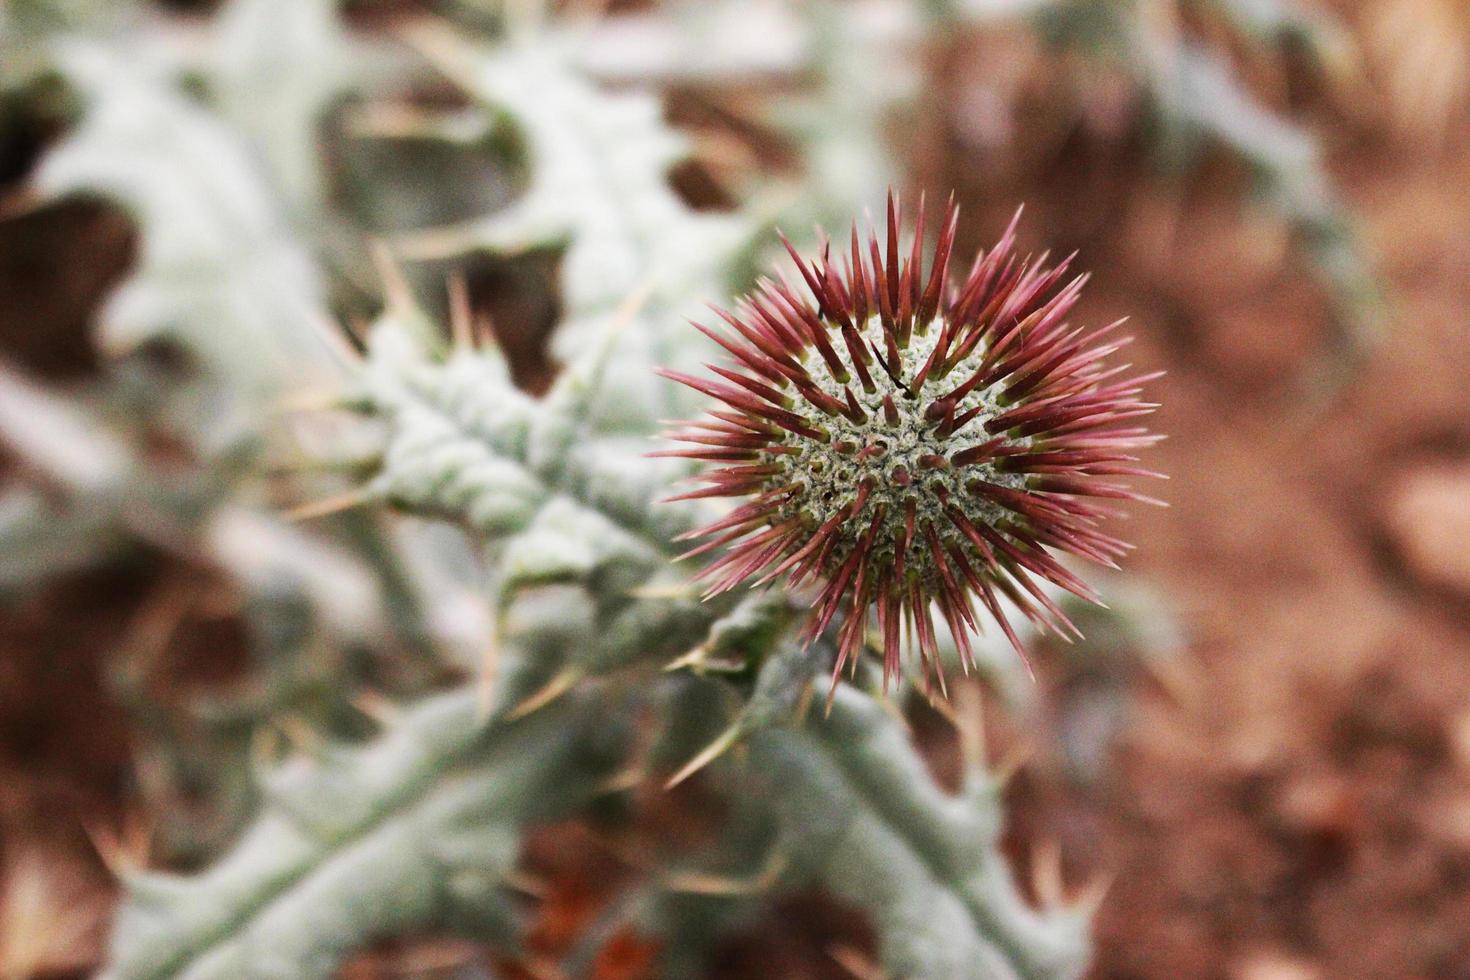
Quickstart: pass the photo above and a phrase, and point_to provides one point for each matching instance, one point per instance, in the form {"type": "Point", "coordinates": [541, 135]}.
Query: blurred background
{"type": "Point", "coordinates": [1263, 752]}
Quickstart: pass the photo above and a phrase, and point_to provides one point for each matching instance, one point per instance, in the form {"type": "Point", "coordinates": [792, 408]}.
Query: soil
{"type": "Point", "coordinates": [1288, 797]}
{"type": "Point", "coordinates": [1293, 800]}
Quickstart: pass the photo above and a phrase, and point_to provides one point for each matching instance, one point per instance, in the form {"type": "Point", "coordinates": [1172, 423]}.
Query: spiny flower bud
{"type": "Point", "coordinates": [910, 444]}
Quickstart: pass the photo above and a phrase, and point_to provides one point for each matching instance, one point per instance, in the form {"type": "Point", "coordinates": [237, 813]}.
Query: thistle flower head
{"type": "Point", "coordinates": [908, 444]}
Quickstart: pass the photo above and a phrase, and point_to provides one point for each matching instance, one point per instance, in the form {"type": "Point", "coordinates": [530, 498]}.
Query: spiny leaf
{"type": "Point", "coordinates": [418, 829]}
{"type": "Point", "coordinates": [598, 195]}
{"type": "Point", "coordinates": [598, 165]}
{"type": "Point", "coordinates": [218, 272]}
{"type": "Point", "coordinates": [859, 813]}
{"type": "Point", "coordinates": [783, 685]}
{"type": "Point", "coordinates": [459, 442]}
{"type": "Point", "coordinates": [274, 68]}
{"type": "Point", "coordinates": [57, 439]}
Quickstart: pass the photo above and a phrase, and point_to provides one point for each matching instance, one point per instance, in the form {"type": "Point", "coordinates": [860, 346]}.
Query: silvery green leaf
{"type": "Point", "coordinates": [598, 164]}
{"type": "Point", "coordinates": [714, 41]}
{"type": "Point", "coordinates": [218, 272]}
{"type": "Point", "coordinates": [416, 830]}
{"type": "Point", "coordinates": [633, 256]}
{"type": "Point", "coordinates": [460, 442]}
{"type": "Point", "coordinates": [274, 68]}
{"type": "Point", "coordinates": [859, 813]}
{"type": "Point", "coordinates": [56, 438]}
{"type": "Point", "coordinates": [265, 553]}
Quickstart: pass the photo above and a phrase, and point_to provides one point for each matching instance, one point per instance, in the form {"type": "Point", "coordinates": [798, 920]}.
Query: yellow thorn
{"type": "Point", "coordinates": [377, 707]}
{"type": "Point", "coordinates": [436, 41]}
{"type": "Point", "coordinates": [122, 852]}
{"type": "Point", "coordinates": [1017, 757]}
{"type": "Point", "coordinates": [395, 288]}
{"type": "Point", "coordinates": [702, 661]}
{"type": "Point", "coordinates": [555, 688]}
{"type": "Point", "coordinates": [631, 306]}
{"type": "Point", "coordinates": [690, 659]}
{"type": "Point", "coordinates": [265, 747]}
{"type": "Point", "coordinates": [711, 752]}
{"type": "Point", "coordinates": [1046, 873]}
{"type": "Point", "coordinates": [485, 331]}
{"type": "Point", "coordinates": [335, 335]}
{"type": "Point", "coordinates": [110, 850]}
{"type": "Point", "coordinates": [963, 714]}
{"type": "Point", "coordinates": [302, 737]}
{"type": "Point", "coordinates": [623, 780]}
{"type": "Point", "coordinates": [1091, 895]}
{"type": "Point", "coordinates": [307, 401]}
{"type": "Point", "coordinates": [526, 883]}
{"type": "Point", "coordinates": [433, 244]}
{"type": "Point", "coordinates": [804, 703]}
{"type": "Point", "coordinates": [358, 329]}
{"type": "Point", "coordinates": [489, 674]}
{"type": "Point", "coordinates": [701, 884]}
{"type": "Point", "coordinates": [395, 120]}
{"type": "Point", "coordinates": [943, 683]}
{"type": "Point", "coordinates": [856, 962]}
{"type": "Point", "coordinates": [154, 626]}
{"type": "Point", "coordinates": [968, 717]}
{"type": "Point", "coordinates": [673, 590]}
{"type": "Point", "coordinates": [331, 505]}
{"type": "Point", "coordinates": [461, 316]}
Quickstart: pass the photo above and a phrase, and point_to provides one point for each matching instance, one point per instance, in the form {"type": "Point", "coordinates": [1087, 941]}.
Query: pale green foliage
{"type": "Point", "coordinates": [273, 69]}
{"type": "Point", "coordinates": [218, 276]}
{"type": "Point", "coordinates": [859, 812]}
{"type": "Point", "coordinates": [418, 829]}
{"type": "Point", "coordinates": [67, 450]}
{"type": "Point", "coordinates": [221, 278]}
{"type": "Point", "coordinates": [598, 195]}
{"type": "Point", "coordinates": [70, 454]}
{"type": "Point", "coordinates": [597, 164]}
{"type": "Point", "coordinates": [218, 271]}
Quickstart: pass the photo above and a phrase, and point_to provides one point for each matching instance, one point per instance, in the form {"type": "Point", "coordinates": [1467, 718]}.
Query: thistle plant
{"type": "Point", "coordinates": [908, 440]}
{"type": "Point", "coordinates": [910, 444]}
